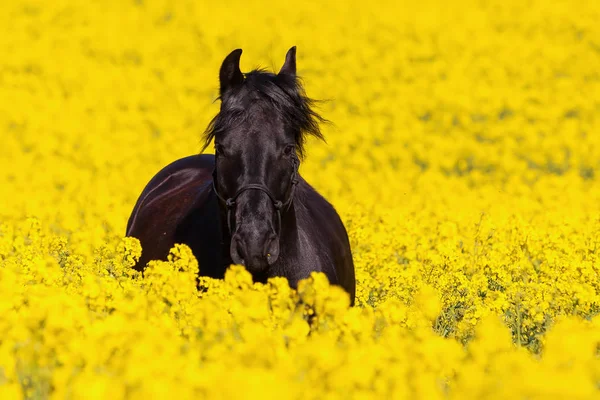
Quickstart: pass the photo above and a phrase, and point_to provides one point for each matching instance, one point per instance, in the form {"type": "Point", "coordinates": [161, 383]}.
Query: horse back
{"type": "Point", "coordinates": [168, 199]}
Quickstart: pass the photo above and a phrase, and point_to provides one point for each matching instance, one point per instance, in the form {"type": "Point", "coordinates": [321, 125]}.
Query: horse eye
{"type": "Point", "coordinates": [288, 150]}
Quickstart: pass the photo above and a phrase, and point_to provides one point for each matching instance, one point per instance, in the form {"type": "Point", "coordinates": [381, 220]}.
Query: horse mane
{"type": "Point", "coordinates": [283, 92]}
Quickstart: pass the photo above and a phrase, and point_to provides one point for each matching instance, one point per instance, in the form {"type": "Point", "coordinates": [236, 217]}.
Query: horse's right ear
{"type": "Point", "coordinates": [289, 66]}
{"type": "Point", "coordinates": [230, 74]}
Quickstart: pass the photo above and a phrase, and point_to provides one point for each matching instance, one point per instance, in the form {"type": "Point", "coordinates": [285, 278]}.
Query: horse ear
{"type": "Point", "coordinates": [289, 66]}
{"type": "Point", "coordinates": [230, 74]}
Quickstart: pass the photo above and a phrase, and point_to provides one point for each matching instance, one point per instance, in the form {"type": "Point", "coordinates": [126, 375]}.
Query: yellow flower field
{"type": "Point", "coordinates": [463, 158]}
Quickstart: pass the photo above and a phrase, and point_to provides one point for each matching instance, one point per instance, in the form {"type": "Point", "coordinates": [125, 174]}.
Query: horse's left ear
{"type": "Point", "coordinates": [230, 74]}
{"type": "Point", "coordinates": [289, 66]}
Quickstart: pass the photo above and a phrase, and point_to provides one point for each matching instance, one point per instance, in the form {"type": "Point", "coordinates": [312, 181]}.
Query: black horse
{"type": "Point", "coordinates": [248, 204]}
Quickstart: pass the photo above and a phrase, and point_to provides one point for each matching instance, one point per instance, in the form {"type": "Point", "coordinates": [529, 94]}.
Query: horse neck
{"type": "Point", "coordinates": [225, 235]}
{"type": "Point", "coordinates": [288, 237]}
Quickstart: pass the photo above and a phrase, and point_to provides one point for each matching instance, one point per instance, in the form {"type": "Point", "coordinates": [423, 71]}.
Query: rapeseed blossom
{"type": "Point", "coordinates": [463, 159]}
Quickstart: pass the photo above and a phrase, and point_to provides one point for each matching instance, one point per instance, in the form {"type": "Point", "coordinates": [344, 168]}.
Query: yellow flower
{"type": "Point", "coordinates": [462, 160]}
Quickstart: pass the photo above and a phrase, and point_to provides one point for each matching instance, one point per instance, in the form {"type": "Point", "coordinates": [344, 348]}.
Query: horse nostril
{"type": "Point", "coordinates": [237, 251]}
{"type": "Point", "coordinates": [272, 249]}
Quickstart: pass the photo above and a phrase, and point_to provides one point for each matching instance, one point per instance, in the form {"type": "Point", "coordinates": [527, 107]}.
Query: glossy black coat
{"type": "Point", "coordinates": [261, 116]}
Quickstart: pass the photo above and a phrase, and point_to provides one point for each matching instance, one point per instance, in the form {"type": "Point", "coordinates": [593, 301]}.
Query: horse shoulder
{"type": "Point", "coordinates": [322, 226]}
{"type": "Point", "coordinates": [167, 199]}
{"type": "Point", "coordinates": [320, 212]}
{"type": "Point", "coordinates": [185, 173]}
{"type": "Point", "coordinates": [320, 222]}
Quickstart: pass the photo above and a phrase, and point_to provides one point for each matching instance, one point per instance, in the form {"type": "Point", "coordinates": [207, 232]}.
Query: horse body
{"type": "Point", "coordinates": [248, 204]}
{"type": "Point", "coordinates": [179, 205]}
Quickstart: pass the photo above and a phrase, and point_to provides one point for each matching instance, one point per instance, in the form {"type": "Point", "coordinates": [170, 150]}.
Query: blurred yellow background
{"type": "Point", "coordinates": [463, 157]}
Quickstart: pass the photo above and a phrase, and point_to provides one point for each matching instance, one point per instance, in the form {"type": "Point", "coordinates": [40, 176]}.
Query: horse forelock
{"type": "Point", "coordinates": [283, 94]}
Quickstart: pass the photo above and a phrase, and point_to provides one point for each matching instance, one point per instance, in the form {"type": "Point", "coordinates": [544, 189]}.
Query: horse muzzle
{"type": "Point", "coordinates": [255, 250]}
